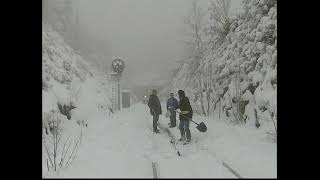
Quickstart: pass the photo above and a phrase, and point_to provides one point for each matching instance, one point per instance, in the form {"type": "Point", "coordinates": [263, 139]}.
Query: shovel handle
{"type": "Point", "coordinates": [186, 117]}
{"type": "Point", "coordinates": [194, 122]}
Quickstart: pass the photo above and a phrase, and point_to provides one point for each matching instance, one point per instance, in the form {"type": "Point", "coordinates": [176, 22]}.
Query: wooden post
{"type": "Point", "coordinates": [154, 170]}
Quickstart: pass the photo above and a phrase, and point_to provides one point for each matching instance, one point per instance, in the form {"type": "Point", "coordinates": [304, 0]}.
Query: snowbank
{"type": "Point", "coordinates": [125, 146]}
{"type": "Point", "coordinates": [68, 81]}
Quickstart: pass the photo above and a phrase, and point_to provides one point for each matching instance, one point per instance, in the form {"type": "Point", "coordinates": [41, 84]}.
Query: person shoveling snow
{"type": "Point", "coordinates": [184, 116]}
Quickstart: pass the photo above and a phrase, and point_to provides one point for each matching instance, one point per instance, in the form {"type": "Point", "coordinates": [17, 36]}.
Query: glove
{"type": "Point", "coordinates": [184, 112]}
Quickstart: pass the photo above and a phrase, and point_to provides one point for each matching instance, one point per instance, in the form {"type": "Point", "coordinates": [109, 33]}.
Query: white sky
{"type": "Point", "coordinates": [147, 33]}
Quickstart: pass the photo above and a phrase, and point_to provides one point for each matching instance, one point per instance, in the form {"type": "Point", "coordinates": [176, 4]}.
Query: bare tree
{"type": "Point", "coordinates": [210, 89]}
{"type": "Point", "coordinates": [195, 42]}
{"type": "Point", "coordinates": [219, 12]}
{"type": "Point", "coordinates": [274, 117]}
{"type": "Point", "coordinates": [273, 113]}
{"type": "Point", "coordinates": [201, 88]}
{"type": "Point", "coordinates": [236, 100]}
{"type": "Point", "coordinates": [195, 23]}
{"type": "Point", "coordinates": [60, 152]}
{"type": "Point", "coordinates": [220, 21]}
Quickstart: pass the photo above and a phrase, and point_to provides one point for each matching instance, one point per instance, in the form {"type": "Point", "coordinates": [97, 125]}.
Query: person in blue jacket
{"type": "Point", "coordinates": [172, 105]}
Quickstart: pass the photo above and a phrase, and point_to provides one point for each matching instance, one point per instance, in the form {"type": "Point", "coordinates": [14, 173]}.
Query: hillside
{"type": "Point", "coordinates": [238, 75]}
{"type": "Point", "coordinates": [73, 92]}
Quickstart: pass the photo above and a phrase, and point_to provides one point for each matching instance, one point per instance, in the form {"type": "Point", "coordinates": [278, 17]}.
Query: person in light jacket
{"type": "Point", "coordinates": [172, 105]}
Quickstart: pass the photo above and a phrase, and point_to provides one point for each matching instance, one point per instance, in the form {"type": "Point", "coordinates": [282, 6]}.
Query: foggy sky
{"type": "Point", "coordinates": [147, 33]}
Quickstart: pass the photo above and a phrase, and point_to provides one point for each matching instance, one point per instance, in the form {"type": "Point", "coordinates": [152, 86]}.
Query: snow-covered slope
{"type": "Point", "coordinates": [59, 61]}
{"type": "Point", "coordinates": [247, 58]}
{"type": "Point", "coordinates": [67, 79]}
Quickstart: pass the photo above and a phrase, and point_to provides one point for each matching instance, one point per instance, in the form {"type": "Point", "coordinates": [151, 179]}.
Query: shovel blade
{"type": "Point", "coordinates": [202, 127]}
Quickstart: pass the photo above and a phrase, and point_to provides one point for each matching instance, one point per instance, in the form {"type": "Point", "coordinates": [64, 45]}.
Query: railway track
{"type": "Point", "coordinates": [171, 139]}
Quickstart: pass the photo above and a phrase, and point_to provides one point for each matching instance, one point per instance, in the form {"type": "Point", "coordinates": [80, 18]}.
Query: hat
{"type": "Point", "coordinates": [154, 92]}
{"type": "Point", "coordinates": [181, 93]}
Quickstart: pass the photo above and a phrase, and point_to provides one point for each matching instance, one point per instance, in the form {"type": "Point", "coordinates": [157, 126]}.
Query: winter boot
{"type": "Point", "coordinates": [156, 131]}
{"type": "Point", "coordinates": [181, 139]}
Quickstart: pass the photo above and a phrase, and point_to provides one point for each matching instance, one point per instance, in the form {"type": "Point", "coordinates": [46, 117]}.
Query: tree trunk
{"type": "Point", "coordinates": [219, 109]}
{"type": "Point", "coordinates": [202, 106]}
{"type": "Point", "coordinates": [201, 100]}
{"type": "Point", "coordinates": [208, 106]}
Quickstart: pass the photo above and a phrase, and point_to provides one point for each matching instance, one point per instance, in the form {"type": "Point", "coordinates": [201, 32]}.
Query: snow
{"type": "Point", "coordinates": [245, 149]}
{"type": "Point", "coordinates": [124, 146]}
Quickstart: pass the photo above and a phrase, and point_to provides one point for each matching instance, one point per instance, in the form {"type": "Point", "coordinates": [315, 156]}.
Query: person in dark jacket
{"type": "Point", "coordinates": [155, 109]}
{"type": "Point", "coordinates": [184, 116]}
{"type": "Point", "coordinates": [172, 105]}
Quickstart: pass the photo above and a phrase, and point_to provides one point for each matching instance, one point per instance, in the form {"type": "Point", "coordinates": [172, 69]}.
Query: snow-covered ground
{"type": "Point", "coordinates": [124, 146]}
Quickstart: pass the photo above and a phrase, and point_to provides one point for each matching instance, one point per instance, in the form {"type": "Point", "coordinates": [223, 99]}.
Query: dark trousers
{"type": "Point", "coordinates": [155, 121]}
{"type": "Point", "coordinates": [184, 128]}
{"type": "Point", "coordinates": [173, 118]}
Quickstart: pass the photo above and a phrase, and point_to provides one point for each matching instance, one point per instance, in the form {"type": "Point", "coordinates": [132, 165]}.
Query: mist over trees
{"type": "Point", "coordinates": [63, 16]}
{"type": "Point", "coordinates": [228, 56]}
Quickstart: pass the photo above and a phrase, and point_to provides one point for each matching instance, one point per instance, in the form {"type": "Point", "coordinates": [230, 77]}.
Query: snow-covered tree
{"type": "Point", "coordinates": [236, 63]}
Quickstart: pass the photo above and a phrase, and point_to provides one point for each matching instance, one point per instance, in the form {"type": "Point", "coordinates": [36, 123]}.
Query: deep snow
{"type": "Point", "coordinates": [124, 146]}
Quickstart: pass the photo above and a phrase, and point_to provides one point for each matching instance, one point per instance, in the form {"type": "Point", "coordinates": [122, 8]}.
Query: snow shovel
{"type": "Point", "coordinates": [201, 127]}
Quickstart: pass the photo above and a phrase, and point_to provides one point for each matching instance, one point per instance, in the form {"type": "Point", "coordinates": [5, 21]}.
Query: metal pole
{"type": "Point", "coordinates": [118, 91]}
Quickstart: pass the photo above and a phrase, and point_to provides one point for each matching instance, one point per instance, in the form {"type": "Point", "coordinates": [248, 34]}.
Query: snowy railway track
{"type": "Point", "coordinates": [172, 139]}
{"type": "Point", "coordinates": [232, 170]}
{"type": "Point", "coordinates": [224, 164]}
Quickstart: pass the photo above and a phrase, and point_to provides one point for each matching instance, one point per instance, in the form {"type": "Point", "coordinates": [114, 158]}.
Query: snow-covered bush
{"type": "Point", "coordinates": [60, 146]}
{"type": "Point", "coordinates": [249, 46]}
{"type": "Point", "coordinates": [59, 61]}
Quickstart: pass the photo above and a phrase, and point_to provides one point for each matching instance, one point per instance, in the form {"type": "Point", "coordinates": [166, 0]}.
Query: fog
{"type": "Point", "coordinates": [147, 34]}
